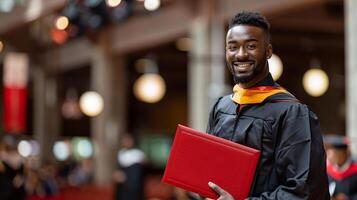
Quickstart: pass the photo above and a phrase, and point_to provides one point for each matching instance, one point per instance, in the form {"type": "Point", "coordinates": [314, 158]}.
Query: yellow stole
{"type": "Point", "coordinates": [255, 95]}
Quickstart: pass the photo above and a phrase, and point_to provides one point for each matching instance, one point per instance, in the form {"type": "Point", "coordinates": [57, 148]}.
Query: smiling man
{"type": "Point", "coordinates": [263, 115]}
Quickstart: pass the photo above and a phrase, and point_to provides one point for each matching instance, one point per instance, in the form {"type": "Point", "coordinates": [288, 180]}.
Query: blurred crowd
{"type": "Point", "coordinates": [26, 179]}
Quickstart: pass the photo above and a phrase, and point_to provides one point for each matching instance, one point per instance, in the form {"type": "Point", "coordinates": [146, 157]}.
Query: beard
{"type": "Point", "coordinates": [243, 79]}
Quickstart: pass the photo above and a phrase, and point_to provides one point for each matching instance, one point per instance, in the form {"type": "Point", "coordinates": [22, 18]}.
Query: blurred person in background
{"type": "Point", "coordinates": [82, 174]}
{"type": "Point", "coordinates": [341, 170]}
{"type": "Point", "coordinates": [129, 177]}
{"type": "Point", "coordinates": [11, 171]}
{"type": "Point", "coordinates": [65, 171]}
{"type": "Point", "coordinates": [33, 186]}
{"type": "Point", "coordinates": [47, 174]}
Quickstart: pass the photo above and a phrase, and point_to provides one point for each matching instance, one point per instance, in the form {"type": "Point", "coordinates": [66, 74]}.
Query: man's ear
{"type": "Point", "coordinates": [269, 51]}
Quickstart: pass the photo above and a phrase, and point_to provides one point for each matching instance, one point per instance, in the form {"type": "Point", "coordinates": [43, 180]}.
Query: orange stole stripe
{"type": "Point", "coordinates": [255, 94]}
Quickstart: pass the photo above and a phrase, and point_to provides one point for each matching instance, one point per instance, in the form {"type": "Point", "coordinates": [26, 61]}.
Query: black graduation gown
{"type": "Point", "coordinates": [293, 162]}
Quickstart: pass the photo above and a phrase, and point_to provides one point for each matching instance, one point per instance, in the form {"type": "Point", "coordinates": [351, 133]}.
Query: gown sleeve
{"type": "Point", "coordinates": [299, 158]}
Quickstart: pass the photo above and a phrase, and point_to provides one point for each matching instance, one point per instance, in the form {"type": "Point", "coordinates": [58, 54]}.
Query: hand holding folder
{"type": "Point", "coordinates": [197, 158]}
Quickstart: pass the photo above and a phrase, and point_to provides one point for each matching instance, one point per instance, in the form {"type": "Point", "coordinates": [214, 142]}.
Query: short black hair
{"type": "Point", "coordinates": [251, 18]}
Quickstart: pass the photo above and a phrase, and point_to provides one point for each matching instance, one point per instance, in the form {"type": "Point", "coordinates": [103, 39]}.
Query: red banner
{"type": "Point", "coordinates": [15, 110]}
{"type": "Point", "coordinates": [15, 92]}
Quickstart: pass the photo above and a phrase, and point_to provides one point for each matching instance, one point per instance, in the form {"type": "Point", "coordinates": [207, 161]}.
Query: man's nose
{"type": "Point", "coordinates": [241, 54]}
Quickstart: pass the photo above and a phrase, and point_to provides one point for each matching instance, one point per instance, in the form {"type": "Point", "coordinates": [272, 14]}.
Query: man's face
{"type": "Point", "coordinates": [340, 156]}
{"type": "Point", "coordinates": [247, 51]}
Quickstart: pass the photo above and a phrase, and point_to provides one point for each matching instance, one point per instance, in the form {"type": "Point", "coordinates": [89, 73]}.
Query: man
{"type": "Point", "coordinates": [342, 171]}
{"type": "Point", "coordinates": [262, 115]}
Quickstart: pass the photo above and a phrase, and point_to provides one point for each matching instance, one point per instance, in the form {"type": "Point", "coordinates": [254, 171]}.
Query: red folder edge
{"type": "Point", "coordinates": [207, 192]}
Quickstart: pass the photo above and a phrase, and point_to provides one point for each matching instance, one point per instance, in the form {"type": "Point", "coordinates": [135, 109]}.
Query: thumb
{"type": "Point", "coordinates": [216, 188]}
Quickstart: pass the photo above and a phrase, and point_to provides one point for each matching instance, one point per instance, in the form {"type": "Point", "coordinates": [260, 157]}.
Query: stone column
{"type": "Point", "coordinates": [351, 71]}
{"type": "Point", "coordinates": [46, 114]}
{"type": "Point", "coordinates": [108, 78]}
{"type": "Point", "coordinates": [199, 75]}
{"type": "Point", "coordinates": [206, 63]}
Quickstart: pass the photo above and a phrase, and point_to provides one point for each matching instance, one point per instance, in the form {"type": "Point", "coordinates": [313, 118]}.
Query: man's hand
{"type": "Point", "coordinates": [223, 195]}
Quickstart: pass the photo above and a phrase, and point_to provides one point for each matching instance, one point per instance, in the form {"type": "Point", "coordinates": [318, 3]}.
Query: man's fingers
{"type": "Point", "coordinates": [217, 189]}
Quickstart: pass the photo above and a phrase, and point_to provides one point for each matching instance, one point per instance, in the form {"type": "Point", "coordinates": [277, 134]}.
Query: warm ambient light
{"type": "Point", "coordinates": [91, 103]}
{"type": "Point", "coordinates": [315, 82]}
{"type": "Point", "coordinates": [275, 66]}
{"type": "Point", "coordinates": [113, 3]}
{"type": "Point", "coordinates": [59, 36]}
{"type": "Point", "coordinates": [150, 88]}
{"type": "Point", "coordinates": [151, 5]}
{"type": "Point", "coordinates": [184, 44]}
{"type": "Point", "coordinates": [62, 23]}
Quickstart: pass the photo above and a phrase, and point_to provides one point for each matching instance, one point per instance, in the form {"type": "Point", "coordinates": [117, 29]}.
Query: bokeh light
{"type": "Point", "coordinates": [91, 103]}
{"type": "Point", "coordinates": [113, 3]}
{"type": "Point", "coordinates": [315, 82]}
{"type": "Point", "coordinates": [59, 36]}
{"type": "Point", "coordinates": [84, 148]}
{"type": "Point", "coordinates": [150, 88]}
{"type": "Point", "coordinates": [62, 22]}
{"type": "Point", "coordinates": [275, 67]}
{"type": "Point", "coordinates": [61, 150]}
{"type": "Point", "coordinates": [24, 148]}
{"type": "Point", "coordinates": [184, 44]}
{"type": "Point", "coordinates": [152, 5]}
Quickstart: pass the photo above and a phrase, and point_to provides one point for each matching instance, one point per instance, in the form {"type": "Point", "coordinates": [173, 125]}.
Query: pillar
{"type": "Point", "coordinates": [351, 71]}
{"type": "Point", "coordinates": [108, 78]}
{"type": "Point", "coordinates": [206, 63]}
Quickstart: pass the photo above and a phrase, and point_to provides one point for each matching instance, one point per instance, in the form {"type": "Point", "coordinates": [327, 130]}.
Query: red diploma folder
{"type": "Point", "coordinates": [197, 158]}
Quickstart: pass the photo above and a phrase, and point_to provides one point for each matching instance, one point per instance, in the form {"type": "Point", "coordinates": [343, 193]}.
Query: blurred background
{"type": "Point", "coordinates": [79, 74]}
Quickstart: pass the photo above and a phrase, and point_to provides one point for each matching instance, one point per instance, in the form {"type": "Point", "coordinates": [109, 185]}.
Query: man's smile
{"type": "Point", "coordinates": [242, 66]}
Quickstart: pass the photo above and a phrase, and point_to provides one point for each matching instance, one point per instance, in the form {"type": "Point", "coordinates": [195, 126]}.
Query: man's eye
{"type": "Point", "coordinates": [251, 46]}
{"type": "Point", "coordinates": [232, 48]}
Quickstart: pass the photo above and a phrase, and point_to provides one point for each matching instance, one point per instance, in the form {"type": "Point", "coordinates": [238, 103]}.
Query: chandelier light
{"type": "Point", "coordinates": [91, 103]}
{"type": "Point", "coordinates": [152, 5]}
{"type": "Point", "coordinates": [275, 66]}
{"type": "Point", "coordinates": [315, 82]}
{"type": "Point", "coordinates": [150, 88]}
{"type": "Point", "coordinates": [62, 22]}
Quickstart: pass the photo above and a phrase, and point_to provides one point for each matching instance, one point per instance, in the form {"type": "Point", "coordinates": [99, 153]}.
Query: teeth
{"type": "Point", "coordinates": [244, 65]}
{"type": "Point", "coordinates": [241, 65]}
